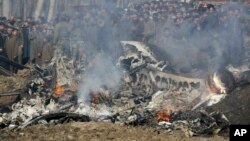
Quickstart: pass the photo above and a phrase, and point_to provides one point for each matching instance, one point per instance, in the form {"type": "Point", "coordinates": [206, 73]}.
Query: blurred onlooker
{"type": "Point", "coordinates": [100, 28]}
{"type": "Point", "coordinates": [26, 43]}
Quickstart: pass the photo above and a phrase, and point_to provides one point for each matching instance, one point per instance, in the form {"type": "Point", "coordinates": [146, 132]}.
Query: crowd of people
{"type": "Point", "coordinates": [25, 41]}
{"type": "Point", "coordinates": [214, 30]}
{"type": "Point", "coordinates": [100, 28]}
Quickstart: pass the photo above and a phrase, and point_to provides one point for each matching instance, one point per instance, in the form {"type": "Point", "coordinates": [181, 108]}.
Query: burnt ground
{"type": "Point", "coordinates": [236, 106]}
{"type": "Point", "coordinates": [95, 131]}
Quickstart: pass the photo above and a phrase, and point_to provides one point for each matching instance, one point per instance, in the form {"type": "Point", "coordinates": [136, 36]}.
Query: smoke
{"type": "Point", "coordinates": [209, 41]}
{"type": "Point", "coordinates": [101, 72]}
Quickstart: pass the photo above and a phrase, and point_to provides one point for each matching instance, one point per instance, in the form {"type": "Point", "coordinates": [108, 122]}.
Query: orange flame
{"type": "Point", "coordinates": [94, 97]}
{"type": "Point", "coordinates": [59, 90]}
{"type": "Point", "coordinates": [163, 115]}
{"type": "Point", "coordinates": [213, 88]}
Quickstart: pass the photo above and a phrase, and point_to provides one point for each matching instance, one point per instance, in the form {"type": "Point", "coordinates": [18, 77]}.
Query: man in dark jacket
{"type": "Point", "coordinates": [26, 45]}
{"type": "Point", "coordinates": [3, 36]}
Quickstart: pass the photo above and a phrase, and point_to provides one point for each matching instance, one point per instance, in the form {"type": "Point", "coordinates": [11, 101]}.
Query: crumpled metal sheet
{"type": "Point", "coordinates": [137, 54]}
{"type": "Point", "coordinates": [141, 47]}
{"type": "Point", "coordinates": [177, 92]}
{"type": "Point", "coordinates": [200, 122]}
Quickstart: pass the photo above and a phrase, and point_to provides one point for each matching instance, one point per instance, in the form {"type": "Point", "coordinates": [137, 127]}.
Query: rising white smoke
{"type": "Point", "coordinates": [211, 48]}
{"type": "Point", "coordinates": [101, 72]}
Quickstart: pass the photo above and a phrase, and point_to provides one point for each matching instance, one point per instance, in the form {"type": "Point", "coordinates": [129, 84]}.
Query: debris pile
{"type": "Point", "coordinates": [149, 94]}
{"type": "Point", "coordinates": [26, 110]}
{"type": "Point", "coordinates": [153, 78]}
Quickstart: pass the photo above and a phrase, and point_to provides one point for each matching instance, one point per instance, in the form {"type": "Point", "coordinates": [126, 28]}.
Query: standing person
{"type": "Point", "coordinates": [33, 41]}
{"type": "Point", "coordinates": [2, 40]}
{"type": "Point", "coordinates": [104, 36]}
{"type": "Point", "coordinates": [77, 41]}
{"type": "Point", "coordinates": [39, 45]}
{"type": "Point", "coordinates": [3, 37]}
{"type": "Point", "coordinates": [19, 44]}
{"type": "Point", "coordinates": [62, 35]}
{"type": "Point", "coordinates": [1, 34]}
{"type": "Point", "coordinates": [137, 28]}
{"type": "Point", "coordinates": [10, 45]}
{"type": "Point", "coordinates": [26, 43]}
{"type": "Point", "coordinates": [104, 31]}
{"type": "Point", "coordinates": [46, 51]}
{"type": "Point", "coordinates": [90, 35]}
{"type": "Point", "coordinates": [235, 37]}
{"type": "Point", "coordinates": [123, 26]}
{"type": "Point", "coordinates": [149, 28]}
{"type": "Point", "coordinates": [13, 47]}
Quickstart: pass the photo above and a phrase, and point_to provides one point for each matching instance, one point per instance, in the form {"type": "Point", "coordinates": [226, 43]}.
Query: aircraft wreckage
{"type": "Point", "coordinates": [148, 94]}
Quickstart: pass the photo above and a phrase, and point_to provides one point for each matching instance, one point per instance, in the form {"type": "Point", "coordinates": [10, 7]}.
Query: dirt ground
{"type": "Point", "coordinates": [235, 106]}
{"type": "Point", "coordinates": [97, 131]}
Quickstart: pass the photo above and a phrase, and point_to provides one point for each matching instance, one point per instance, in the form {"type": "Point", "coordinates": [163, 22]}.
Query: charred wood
{"type": "Point", "coordinates": [57, 116]}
